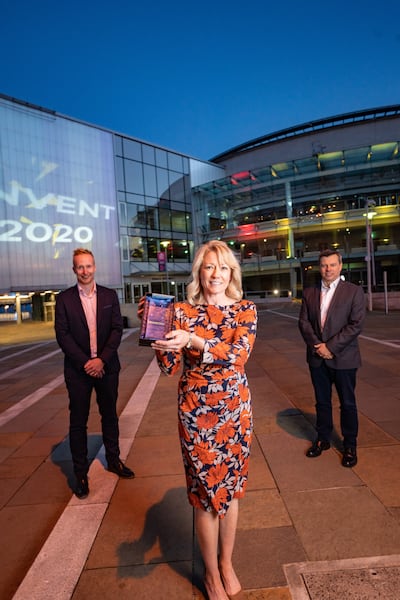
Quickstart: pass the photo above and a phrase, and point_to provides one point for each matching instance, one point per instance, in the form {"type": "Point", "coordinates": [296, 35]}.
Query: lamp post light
{"type": "Point", "coordinates": [165, 246]}
{"type": "Point", "coordinates": [369, 249]}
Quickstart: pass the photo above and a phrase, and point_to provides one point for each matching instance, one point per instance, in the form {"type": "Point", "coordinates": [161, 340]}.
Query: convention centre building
{"type": "Point", "coordinates": [331, 183]}
{"type": "Point", "coordinates": [277, 200]}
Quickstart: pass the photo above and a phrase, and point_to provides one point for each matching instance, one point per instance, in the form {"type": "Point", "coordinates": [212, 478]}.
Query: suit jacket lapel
{"type": "Point", "coordinates": [100, 303]}
{"type": "Point", "coordinates": [78, 306]}
{"type": "Point", "coordinates": [317, 301]}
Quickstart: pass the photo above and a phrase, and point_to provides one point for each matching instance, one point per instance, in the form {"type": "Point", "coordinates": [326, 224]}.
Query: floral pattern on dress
{"type": "Point", "coordinates": [214, 402]}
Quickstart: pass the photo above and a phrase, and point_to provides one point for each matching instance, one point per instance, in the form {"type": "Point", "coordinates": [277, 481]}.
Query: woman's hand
{"type": "Point", "coordinates": [140, 309]}
{"type": "Point", "coordinates": [173, 342]}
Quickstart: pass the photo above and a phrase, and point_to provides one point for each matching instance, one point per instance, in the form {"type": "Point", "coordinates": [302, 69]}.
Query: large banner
{"type": "Point", "coordinates": [57, 193]}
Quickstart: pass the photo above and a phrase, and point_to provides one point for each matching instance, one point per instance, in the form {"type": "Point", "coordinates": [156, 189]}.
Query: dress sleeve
{"type": "Point", "coordinates": [169, 362]}
{"type": "Point", "coordinates": [226, 351]}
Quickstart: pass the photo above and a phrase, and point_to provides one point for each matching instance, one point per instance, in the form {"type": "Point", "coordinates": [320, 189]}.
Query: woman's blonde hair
{"type": "Point", "coordinates": [194, 291]}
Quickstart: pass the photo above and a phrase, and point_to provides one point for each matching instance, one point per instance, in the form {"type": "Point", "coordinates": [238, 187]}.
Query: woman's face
{"type": "Point", "coordinates": [214, 276]}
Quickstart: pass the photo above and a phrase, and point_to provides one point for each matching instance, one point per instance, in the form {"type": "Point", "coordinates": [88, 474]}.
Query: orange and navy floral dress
{"type": "Point", "coordinates": [214, 404]}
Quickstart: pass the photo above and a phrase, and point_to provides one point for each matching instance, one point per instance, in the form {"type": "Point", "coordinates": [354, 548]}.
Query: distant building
{"type": "Point", "coordinates": [331, 183]}
{"type": "Point", "coordinates": [143, 209]}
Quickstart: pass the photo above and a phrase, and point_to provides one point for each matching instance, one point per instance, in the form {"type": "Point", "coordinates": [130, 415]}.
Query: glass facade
{"type": "Point", "coordinates": [65, 184]}
{"type": "Point", "coordinates": [155, 207]}
{"type": "Point", "coordinates": [279, 217]}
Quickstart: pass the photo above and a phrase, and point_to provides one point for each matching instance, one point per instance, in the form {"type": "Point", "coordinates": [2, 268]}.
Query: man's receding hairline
{"type": "Point", "coordinates": [329, 253]}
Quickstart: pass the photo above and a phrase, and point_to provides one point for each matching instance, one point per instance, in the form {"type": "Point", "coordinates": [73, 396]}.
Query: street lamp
{"type": "Point", "coordinates": [165, 246]}
{"type": "Point", "coordinates": [369, 249]}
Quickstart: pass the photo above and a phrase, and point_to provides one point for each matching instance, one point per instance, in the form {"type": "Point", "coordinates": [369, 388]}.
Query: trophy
{"type": "Point", "coordinates": [158, 315]}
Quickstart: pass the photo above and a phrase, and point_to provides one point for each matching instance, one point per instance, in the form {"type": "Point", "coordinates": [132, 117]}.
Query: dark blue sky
{"type": "Point", "coordinates": [200, 77]}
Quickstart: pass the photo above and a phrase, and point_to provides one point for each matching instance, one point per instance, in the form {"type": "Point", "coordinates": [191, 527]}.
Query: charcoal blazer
{"type": "Point", "coordinates": [343, 325]}
{"type": "Point", "coordinates": [72, 331]}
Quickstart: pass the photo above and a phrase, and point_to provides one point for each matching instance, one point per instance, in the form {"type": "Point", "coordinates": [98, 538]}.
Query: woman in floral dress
{"type": "Point", "coordinates": [213, 335]}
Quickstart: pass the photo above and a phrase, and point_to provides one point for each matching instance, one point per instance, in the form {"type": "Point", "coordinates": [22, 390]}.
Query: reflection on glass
{"type": "Point", "coordinates": [134, 177]}
{"type": "Point", "coordinates": [165, 219]}
{"type": "Point", "coordinates": [161, 158]}
{"type": "Point", "coordinates": [178, 219]}
{"type": "Point", "coordinates": [148, 154]}
{"type": "Point", "coordinates": [132, 149]}
{"type": "Point", "coordinates": [151, 217]}
{"type": "Point", "coordinates": [119, 174]}
{"type": "Point", "coordinates": [175, 162]}
{"type": "Point", "coordinates": [150, 184]}
{"type": "Point", "coordinates": [122, 214]}
{"type": "Point", "coordinates": [152, 248]}
{"type": "Point", "coordinates": [162, 183]}
{"type": "Point", "coordinates": [136, 249]}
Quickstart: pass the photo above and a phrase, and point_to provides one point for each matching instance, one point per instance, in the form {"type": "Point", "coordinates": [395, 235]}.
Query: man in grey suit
{"type": "Point", "coordinates": [88, 325]}
{"type": "Point", "coordinates": [330, 321]}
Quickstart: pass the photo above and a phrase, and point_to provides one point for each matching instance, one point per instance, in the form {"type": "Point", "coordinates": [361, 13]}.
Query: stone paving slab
{"type": "Point", "coordinates": [294, 471]}
{"type": "Point", "coordinates": [158, 530]}
{"type": "Point", "coordinates": [260, 476]}
{"type": "Point", "coordinates": [49, 577]}
{"type": "Point", "coordinates": [260, 553]}
{"type": "Point", "coordinates": [342, 522]}
{"type": "Point", "coordinates": [376, 470]}
{"type": "Point", "coordinates": [144, 582]}
{"type": "Point", "coordinates": [368, 578]}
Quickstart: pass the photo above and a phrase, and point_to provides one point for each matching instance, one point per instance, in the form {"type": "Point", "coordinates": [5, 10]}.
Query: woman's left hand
{"type": "Point", "coordinates": [173, 342]}
{"type": "Point", "coordinates": [140, 309]}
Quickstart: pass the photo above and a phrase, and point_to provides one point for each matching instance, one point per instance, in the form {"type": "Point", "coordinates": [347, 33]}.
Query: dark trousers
{"type": "Point", "coordinates": [344, 380]}
{"type": "Point", "coordinates": [80, 387]}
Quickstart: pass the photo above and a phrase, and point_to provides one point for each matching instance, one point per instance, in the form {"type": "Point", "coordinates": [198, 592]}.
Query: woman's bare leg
{"type": "Point", "coordinates": [207, 528]}
{"type": "Point", "coordinates": [227, 533]}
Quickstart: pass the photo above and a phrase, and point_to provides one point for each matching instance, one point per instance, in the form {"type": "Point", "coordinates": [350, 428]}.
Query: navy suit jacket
{"type": "Point", "coordinates": [343, 325]}
{"type": "Point", "coordinates": [72, 331]}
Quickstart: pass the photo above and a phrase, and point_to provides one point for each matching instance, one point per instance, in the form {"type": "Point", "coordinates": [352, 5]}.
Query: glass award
{"type": "Point", "coordinates": [158, 315]}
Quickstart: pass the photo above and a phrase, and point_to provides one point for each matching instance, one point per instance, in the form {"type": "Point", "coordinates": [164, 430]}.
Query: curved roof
{"type": "Point", "coordinates": [346, 119]}
{"type": "Point", "coordinates": [361, 158]}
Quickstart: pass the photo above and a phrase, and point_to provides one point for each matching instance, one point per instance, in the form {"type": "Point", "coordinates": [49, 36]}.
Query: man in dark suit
{"type": "Point", "coordinates": [330, 321]}
{"type": "Point", "coordinates": [88, 325]}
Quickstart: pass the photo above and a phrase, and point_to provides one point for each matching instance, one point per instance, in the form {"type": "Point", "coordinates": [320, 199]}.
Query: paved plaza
{"type": "Point", "coordinates": [309, 529]}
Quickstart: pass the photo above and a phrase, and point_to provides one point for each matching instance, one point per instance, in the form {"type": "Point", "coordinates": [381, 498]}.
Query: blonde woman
{"type": "Point", "coordinates": [213, 334]}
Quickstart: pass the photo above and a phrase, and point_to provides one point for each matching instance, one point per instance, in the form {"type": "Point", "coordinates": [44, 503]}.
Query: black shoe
{"type": "Point", "coordinates": [82, 487]}
{"type": "Point", "coordinates": [349, 457]}
{"type": "Point", "coordinates": [121, 470]}
{"type": "Point", "coordinates": [317, 448]}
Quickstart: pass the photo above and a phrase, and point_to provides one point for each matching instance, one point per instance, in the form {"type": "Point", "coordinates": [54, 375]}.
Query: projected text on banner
{"type": "Point", "coordinates": [57, 193]}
